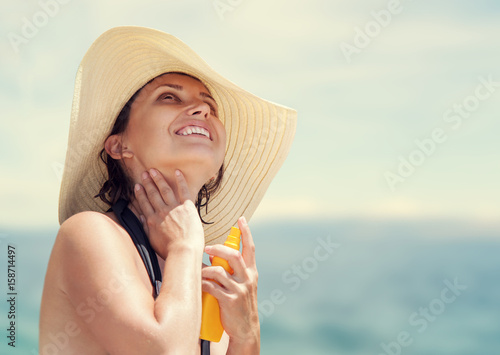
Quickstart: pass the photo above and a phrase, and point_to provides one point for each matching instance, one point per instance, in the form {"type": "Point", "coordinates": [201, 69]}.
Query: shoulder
{"type": "Point", "coordinates": [92, 235]}
{"type": "Point", "coordinates": [85, 221]}
{"type": "Point", "coordinates": [90, 226]}
{"type": "Point", "coordinates": [90, 245]}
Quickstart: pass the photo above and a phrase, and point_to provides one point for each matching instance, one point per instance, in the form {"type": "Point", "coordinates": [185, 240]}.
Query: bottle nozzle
{"type": "Point", "coordinates": [235, 232]}
{"type": "Point", "coordinates": [234, 238]}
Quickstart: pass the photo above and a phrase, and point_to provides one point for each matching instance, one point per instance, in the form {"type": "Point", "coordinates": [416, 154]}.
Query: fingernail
{"type": "Point", "coordinates": [144, 175]}
{"type": "Point", "coordinates": [153, 172]}
{"type": "Point", "coordinates": [143, 220]}
{"type": "Point", "coordinates": [208, 248]}
{"type": "Point", "coordinates": [243, 220]}
{"type": "Point", "coordinates": [137, 187]}
{"type": "Point", "coordinates": [178, 172]}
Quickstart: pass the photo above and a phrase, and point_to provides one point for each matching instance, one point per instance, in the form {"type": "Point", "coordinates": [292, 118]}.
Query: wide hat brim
{"type": "Point", "coordinates": [120, 62]}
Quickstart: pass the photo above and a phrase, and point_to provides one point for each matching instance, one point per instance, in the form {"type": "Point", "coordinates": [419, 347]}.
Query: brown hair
{"type": "Point", "coordinates": [119, 184]}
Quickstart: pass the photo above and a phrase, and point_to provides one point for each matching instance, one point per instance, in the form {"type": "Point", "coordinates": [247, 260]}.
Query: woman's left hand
{"type": "Point", "coordinates": [237, 293]}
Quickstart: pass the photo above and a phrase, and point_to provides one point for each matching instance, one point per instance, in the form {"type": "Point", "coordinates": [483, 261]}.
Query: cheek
{"type": "Point", "coordinates": [221, 131]}
{"type": "Point", "coordinates": [148, 126]}
{"type": "Point", "coordinates": [145, 138]}
{"type": "Point", "coordinates": [222, 139]}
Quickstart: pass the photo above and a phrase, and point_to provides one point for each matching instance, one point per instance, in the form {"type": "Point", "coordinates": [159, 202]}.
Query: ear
{"type": "Point", "coordinates": [115, 149]}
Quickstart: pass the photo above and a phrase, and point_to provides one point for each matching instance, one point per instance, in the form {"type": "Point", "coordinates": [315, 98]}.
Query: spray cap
{"type": "Point", "coordinates": [234, 238]}
{"type": "Point", "coordinates": [235, 232]}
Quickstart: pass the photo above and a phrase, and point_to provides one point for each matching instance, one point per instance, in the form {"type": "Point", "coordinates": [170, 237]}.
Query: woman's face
{"type": "Point", "coordinates": [173, 125]}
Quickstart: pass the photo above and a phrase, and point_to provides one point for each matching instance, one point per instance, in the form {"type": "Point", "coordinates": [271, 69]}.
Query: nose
{"type": "Point", "coordinates": [199, 108]}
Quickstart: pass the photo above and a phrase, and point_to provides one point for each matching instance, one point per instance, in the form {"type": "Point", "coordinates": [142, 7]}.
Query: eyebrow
{"type": "Point", "coordinates": [180, 88]}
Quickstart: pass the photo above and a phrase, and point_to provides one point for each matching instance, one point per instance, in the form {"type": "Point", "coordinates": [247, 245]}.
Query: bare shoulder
{"type": "Point", "coordinates": [88, 239]}
{"type": "Point", "coordinates": [85, 229]}
{"type": "Point", "coordinates": [87, 221]}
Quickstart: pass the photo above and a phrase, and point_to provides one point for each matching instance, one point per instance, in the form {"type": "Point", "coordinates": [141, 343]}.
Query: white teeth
{"type": "Point", "coordinates": [196, 129]}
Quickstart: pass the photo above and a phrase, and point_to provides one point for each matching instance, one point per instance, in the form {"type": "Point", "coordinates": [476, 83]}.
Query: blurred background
{"type": "Point", "coordinates": [381, 232]}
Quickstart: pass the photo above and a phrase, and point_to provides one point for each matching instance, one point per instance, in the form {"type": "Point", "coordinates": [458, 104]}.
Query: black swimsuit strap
{"type": "Point", "coordinates": [134, 227]}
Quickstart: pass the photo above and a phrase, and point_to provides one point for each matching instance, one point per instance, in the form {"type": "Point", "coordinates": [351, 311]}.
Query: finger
{"type": "Point", "coordinates": [144, 224]}
{"type": "Point", "coordinates": [182, 187]}
{"type": "Point", "coordinates": [140, 195]}
{"type": "Point", "coordinates": [214, 289]}
{"type": "Point", "coordinates": [248, 246]}
{"type": "Point", "coordinates": [164, 188]}
{"type": "Point", "coordinates": [218, 274]}
{"type": "Point", "coordinates": [152, 192]}
{"type": "Point", "coordinates": [233, 257]}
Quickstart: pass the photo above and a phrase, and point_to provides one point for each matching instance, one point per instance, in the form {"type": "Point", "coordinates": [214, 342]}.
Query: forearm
{"type": "Point", "coordinates": [178, 306]}
{"type": "Point", "coordinates": [250, 347]}
{"type": "Point", "coordinates": [247, 345]}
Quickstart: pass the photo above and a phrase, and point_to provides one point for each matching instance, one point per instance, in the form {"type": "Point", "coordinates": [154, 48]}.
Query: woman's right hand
{"type": "Point", "coordinates": [169, 222]}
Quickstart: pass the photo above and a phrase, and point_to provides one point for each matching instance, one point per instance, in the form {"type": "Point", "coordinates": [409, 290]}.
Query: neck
{"type": "Point", "coordinates": [135, 208]}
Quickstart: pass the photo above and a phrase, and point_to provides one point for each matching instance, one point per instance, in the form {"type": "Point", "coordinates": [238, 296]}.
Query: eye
{"type": "Point", "coordinates": [168, 96]}
{"type": "Point", "coordinates": [213, 110]}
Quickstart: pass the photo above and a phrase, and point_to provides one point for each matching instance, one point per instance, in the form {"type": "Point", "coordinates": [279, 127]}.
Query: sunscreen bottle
{"type": "Point", "coordinates": [211, 326]}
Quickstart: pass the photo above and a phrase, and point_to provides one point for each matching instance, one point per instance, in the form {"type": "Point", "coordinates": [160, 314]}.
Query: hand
{"type": "Point", "coordinates": [168, 221]}
{"type": "Point", "coordinates": [237, 293]}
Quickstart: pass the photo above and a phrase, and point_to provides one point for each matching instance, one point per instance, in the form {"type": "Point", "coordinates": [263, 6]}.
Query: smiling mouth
{"type": "Point", "coordinates": [194, 131]}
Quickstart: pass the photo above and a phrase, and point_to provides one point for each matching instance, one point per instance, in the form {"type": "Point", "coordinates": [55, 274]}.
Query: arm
{"type": "Point", "coordinates": [106, 284]}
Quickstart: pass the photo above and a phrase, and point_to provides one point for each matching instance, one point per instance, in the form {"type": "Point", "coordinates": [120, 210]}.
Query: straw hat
{"type": "Point", "coordinates": [121, 61]}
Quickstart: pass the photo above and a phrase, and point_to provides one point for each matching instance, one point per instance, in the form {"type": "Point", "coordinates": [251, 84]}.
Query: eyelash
{"type": "Point", "coordinates": [212, 108]}
{"type": "Point", "coordinates": [165, 95]}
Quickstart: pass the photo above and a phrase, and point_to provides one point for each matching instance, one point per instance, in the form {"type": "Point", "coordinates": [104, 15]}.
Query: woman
{"type": "Point", "coordinates": [173, 137]}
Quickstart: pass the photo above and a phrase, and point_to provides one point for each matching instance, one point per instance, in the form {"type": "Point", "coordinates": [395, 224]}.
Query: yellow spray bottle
{"type": "Point", "coordinates": [211, 326]}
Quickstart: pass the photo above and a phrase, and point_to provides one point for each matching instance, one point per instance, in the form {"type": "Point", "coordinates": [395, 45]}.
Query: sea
{"type": "Point", "coordinates": [352, 287]}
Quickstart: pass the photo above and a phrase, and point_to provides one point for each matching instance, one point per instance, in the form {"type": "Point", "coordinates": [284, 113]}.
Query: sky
{"type": "Point", "coordinates": [398, 101]}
